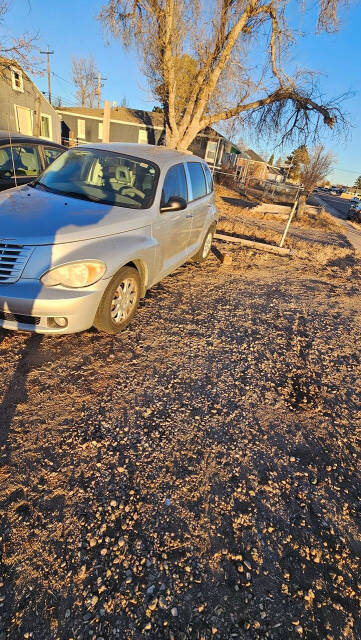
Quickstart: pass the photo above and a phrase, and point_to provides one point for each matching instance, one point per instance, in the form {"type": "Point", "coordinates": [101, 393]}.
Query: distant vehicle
{"type": "Point", "coordinates": [105, 222]}
{"type": "Point", "coordinates": [23, 158]}
{"type": "Point", "coordinates": [354, 212]}
{"type": "Point", "coordinates": [336, 191]}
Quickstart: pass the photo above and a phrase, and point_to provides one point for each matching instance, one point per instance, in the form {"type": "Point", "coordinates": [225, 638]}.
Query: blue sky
{"type": "Point", "coordinates": [71, 29]}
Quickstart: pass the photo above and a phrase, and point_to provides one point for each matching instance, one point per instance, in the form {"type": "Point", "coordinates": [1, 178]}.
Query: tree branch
{"type": "Point", "coordinates": [281, 95]}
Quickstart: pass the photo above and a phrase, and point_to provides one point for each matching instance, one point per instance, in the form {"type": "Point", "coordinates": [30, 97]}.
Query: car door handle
{"type": "Point", "coordinates": [189, 215]}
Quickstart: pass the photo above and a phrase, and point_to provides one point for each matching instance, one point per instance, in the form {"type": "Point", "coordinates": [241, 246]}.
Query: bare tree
{"type": "Point", "coordinates": [85, 79]}
{"type": "Point", "coordinates": [223, 37]}
{"type": "Point", "coordinates": [316, 167]}
{"type": "Point", "coordinates": [16, 48]}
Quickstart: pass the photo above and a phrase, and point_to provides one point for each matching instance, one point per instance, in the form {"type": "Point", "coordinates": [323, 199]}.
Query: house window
{"type": "Point", "coordinates": [45, 126]}
{"type": "Point", "coordinates": [100, 131]}
{"type": "Point", "coordinates": [211, 152]}
{"type": "Point", "coordinates": [81, 129]}
{"type": "Point", "coordinates": [143, 136]}
{"type": "Point", "coordinates": [24, 120]}
{"type": "Point", "coordinates": [17, 80]}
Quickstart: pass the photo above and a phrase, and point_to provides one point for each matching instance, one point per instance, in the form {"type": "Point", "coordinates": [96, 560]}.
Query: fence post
{"type": "Point", "coordinates": [292, 213]}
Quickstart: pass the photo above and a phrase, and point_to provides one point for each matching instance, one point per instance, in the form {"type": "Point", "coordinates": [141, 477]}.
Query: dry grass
{"type": "Point", "coordinates": [328, 248]}
{"type": "Point", "coordinates": [316, 218]}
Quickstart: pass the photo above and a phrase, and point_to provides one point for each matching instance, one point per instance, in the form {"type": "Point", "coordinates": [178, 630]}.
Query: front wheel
{"type": "Point", "coordinates": [205, 248]}
{"type": "Point", "coordinates": [119, 302]}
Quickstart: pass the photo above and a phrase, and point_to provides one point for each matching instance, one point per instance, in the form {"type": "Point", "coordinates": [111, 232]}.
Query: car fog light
{"type": "Point", "coordinates": [61, 322]}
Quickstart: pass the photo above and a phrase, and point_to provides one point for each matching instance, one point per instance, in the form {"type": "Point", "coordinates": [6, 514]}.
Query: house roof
{"type": "Point", "coordinates": [7, 63]}
{"type": "Point", "coordinates": [123, 114]}
{"type": "Point", "coordinates": [273, 169]}
{"type": "Point", "coordinates": [254, 156]}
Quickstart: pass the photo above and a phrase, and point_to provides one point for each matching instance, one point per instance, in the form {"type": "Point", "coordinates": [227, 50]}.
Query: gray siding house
{"type": "Point", "coordinates": [23, 108]}
{"type": "Point", "coordinates": [83, 124]}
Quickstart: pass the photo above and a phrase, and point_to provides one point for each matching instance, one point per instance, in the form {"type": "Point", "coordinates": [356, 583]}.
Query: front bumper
{"type": "Point", "coordinates": [29, 306]}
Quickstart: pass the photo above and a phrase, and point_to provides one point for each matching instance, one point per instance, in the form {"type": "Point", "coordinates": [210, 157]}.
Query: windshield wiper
{"type": "Point", "coordinates": [81, 196]}
{"type": "Point", "coordinates": [36, 183]}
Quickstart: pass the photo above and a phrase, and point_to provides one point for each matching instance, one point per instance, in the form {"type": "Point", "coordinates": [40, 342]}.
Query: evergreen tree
{"type": "Point", "coordinates": [295, 160]}
{"type": "Point", "coordinates": [358, 183]}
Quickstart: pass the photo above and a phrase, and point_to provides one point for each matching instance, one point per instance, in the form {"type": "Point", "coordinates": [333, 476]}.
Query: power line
{"type": "Point", "coordinates": [347, 170]}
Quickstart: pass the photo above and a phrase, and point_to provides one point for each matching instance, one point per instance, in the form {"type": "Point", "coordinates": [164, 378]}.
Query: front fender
{"type": "Point", "coordinates": [115, 251]}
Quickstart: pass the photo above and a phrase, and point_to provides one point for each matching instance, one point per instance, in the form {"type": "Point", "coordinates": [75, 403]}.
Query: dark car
{"type": "Point", "coordinates": [354, 212]}
{"type": "Point", "coordinates": [23, 158]}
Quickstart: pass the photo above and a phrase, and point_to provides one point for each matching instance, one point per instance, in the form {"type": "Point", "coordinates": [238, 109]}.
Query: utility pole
{"type": "Point", "coordinates": [98, 91]}
{"type": "Point", "coordinates": [48, 53]}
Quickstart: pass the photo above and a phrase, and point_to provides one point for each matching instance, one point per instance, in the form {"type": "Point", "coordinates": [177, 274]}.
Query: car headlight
{"type": "Point", "coordinates": [75, 274]}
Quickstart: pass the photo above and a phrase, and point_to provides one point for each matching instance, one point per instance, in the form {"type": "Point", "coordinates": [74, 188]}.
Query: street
{"type": "Point", "coordinates": [338, 208]}
{"type": "Point", "coordinates": [340, 205]}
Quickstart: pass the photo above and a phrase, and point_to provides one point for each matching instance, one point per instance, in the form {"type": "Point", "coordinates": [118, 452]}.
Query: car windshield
{"type": "Point", "coordinates": [102, 176]}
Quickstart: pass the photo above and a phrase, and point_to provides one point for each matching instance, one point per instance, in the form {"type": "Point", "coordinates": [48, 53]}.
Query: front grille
{"type": "Point", "coordinates": [20, 319]}
{"type": "Point", "coordinates": [13, 258]}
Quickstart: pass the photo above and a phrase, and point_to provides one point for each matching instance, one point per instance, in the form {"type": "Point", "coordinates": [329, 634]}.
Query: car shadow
{"type": "Point", "coordinates": [16, 390]}
{"type": "Point", "coordinates": [240, 202]}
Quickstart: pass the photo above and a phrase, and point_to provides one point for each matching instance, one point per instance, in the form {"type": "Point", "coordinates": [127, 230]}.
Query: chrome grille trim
{"type": "Point", "coordinates": [13, 258]}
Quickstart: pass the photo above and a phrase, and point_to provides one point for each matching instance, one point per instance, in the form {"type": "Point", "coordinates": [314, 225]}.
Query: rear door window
{"type": "Point", "coordinates": [209, 179]}
{"type": "Point", "coordinates": [50, 154]}
{"type": "Point", "coordinates": [23, 158]}
{"type": "Point", "coordinates": [175, 184]}
{"type": "Point", "coordinates": [198, 180]}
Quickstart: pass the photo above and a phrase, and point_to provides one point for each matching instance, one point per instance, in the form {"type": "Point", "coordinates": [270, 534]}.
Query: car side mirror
{"type": "Point", "coordinates": [175, 203]}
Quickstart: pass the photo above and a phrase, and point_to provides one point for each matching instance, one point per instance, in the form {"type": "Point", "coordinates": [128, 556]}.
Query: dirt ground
{"type": "Point", "coordinates": [197, 477]}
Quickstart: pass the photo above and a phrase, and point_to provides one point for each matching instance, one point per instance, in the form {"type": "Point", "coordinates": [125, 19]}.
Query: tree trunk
{"type": "Point", "coordinates": [301, 205]}
{"type": "Point", "coordinates": [175, 139]}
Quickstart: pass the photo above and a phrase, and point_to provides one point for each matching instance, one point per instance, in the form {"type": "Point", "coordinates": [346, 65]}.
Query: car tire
{"type": "Point", "coordinates": [205, 248]}
{"type": "Point", "coordinates": [119, 302]}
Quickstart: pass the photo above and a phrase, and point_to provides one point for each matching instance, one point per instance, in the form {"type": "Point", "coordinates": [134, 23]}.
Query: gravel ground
{"type": "Point", "coordinates": [197, 477]}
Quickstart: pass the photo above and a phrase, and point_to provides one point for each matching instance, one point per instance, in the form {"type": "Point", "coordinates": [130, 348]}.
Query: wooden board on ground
{"type": "Point", "coordinates": [260, 246]}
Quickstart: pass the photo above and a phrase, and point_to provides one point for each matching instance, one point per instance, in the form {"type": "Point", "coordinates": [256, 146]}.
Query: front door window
{"type": "Point", "coordinates": [175, 184]}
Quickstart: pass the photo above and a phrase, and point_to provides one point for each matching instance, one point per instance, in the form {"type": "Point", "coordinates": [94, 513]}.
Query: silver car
{"type": "Point", "coordinates": [82, 243]}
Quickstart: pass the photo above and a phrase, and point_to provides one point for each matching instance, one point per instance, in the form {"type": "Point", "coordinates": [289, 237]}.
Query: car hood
{"type": "Point", "coordinates": [36, 217]}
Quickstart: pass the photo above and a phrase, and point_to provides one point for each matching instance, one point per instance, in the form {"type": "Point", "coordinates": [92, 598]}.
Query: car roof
{"type": "Point", "coordinates": [15, 136]}
{"type": "Point", "coordinates": [162, 156]}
